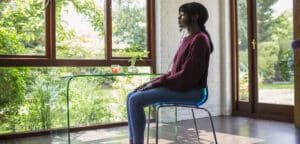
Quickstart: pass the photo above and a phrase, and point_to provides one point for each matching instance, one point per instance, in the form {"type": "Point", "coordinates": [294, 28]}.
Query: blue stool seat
{"type": "Point", "coordinates": [187, 104]}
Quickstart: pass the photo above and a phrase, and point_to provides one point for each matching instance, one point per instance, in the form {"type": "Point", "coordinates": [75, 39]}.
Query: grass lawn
{"type": "Point", "coordinates": [277, 86]}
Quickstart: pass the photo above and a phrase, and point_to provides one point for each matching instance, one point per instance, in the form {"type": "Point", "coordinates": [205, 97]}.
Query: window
{"type": "Point", "coordinates": [80, 30]}
{"type": "Point", "coordinates": [129, 27]}
{"type": "Point", "coordinates": [34, 98]}
{"type": "Point", "coordinates": [22, 28]}
{"type": "Point", "coordinates": [43, 41]}
{"type": "Point", "coordinates": [76, 32]}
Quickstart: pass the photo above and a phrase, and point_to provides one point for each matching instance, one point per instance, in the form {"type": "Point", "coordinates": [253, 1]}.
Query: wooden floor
{"type": "Point", "coordinates": [230, 130]}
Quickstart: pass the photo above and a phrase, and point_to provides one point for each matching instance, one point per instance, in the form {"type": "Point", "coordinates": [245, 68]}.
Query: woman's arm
{"type": "Point", "coordinates": [193, 68]}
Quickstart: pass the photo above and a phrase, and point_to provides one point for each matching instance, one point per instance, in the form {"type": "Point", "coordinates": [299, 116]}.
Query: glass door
{"type": "Point", "coordinates": [264, 85]}
{"type": "Point", "coordinates": [274, 54]}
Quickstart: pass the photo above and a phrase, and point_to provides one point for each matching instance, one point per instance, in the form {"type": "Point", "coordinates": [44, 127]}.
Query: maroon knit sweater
{"type": "Point", "coordinates": [190, 65]}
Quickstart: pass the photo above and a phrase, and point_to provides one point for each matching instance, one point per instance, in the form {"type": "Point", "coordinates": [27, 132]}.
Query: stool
{"type": "Point", "coordinates": [187, 104]}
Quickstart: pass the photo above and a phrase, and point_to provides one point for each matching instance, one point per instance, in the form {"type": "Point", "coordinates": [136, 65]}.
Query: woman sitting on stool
{"type": "Point", "coordinates": [186, 77]}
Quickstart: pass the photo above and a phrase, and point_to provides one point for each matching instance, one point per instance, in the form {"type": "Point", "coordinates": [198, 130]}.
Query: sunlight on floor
{"type": "Point", "coordinates": [224, 138]}
{"type": "Point", "coordinates": [120, 137]}
{"type": "Point", "coordinates": [207, 138]}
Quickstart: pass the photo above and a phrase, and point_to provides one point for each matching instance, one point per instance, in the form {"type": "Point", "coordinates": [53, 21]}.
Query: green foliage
{"type": "Point", "coordinates": [282, 27]}
{"type": "Point", "coordinates": [244, 87]}
{"type": "Point", "coordinates": [75, 52]}
{"type": "Point", "coordinates": [42, 95]}
{"type": "Point", "coordinates": [283, 57]}
{"type": "Point", "coordinates": [69, 42]}
{"type": "Point", "coordinates": [10, 42]}
{"type": "Point", "coordinates": [89, 9]}
{"type": "Point", "coordinates": [277, 86]}
{"type": "Point", "coordinates": [243, 60]}
{"type": "Point", "coordinates": [105, 97]}
{"type": "Point", "coordinates": [34, 99]}
{"type": "Point", "coordinates": [137, 56]}
{"type": "Point", "coordinates": [271, 29]}
{"type": "Point", "coordinates": [27, 19]}
{"type": "Point", "coordinates": [242, 24]}
{"type": "Point", "coordinates": [265, 19]}
{"type": "Point", "coordinates": [89, 100]}
{"type": "Point", "coordinates": [97, 19]}
{"type": "Point", "coordinates": [95, 100]}
{"type": "Point", "coordinates": [243, 75]}
{"type": "Point", "coordinates": [12, 87]}
{"type": "Point", "coordinates": [268, 58]}
{"type": "Point", "coordinates": [12, 95]}
{"type": "Point", "coordinates": [129, 25]}
{"type": "Point", "coordinates": [283, 33]}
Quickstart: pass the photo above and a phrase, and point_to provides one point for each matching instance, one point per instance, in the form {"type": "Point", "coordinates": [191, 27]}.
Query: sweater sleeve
{"type": "Point", "coordinates": [193, 68]}
{"type": "Point", "coordinates": [157, 82]}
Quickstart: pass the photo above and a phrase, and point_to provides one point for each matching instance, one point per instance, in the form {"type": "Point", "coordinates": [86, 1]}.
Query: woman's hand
{"type": "Point", "coordinates": [146, 87]}
{"type": "Point", "coordinates": [139, 87]}
{"type": "Point", "coordinates": [143, 87]}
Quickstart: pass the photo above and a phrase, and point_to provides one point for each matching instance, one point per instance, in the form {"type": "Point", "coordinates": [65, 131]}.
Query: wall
{"type": "Point", "coordinates": [167, 41]}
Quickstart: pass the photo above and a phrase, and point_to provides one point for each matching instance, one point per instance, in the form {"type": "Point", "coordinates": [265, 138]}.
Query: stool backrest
{"type": "Point", "coordinates": [204, 96]}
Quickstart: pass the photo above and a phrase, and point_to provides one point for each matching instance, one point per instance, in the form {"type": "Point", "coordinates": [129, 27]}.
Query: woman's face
{"type": "Point", "coordinates": [182, 20]}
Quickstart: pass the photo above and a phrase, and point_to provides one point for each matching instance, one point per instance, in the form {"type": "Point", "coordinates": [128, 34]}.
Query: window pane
{"type": "Point", "coordinates": [22, 27]}
{"type": "Point", "coordinates": [129, 28]}
{"type": "Point", "coordinates": [274, 55]}
{"type": "Point", "coordinates": [80, 29]}
{"type": "Point", "coordinates": [243, 51]}
{"type": "Point", "coordinates": [34, 98]}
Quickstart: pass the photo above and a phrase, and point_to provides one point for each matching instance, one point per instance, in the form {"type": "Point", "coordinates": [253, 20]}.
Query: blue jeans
{"type": "Point", "coordinates": [136, 101]}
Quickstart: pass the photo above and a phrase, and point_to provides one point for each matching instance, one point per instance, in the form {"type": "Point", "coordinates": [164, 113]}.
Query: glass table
{"type": "Point", "coordinates": [92, 97]}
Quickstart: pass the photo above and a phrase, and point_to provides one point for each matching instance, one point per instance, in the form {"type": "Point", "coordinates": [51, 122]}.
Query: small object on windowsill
{"type": "Point", "coordinates": [115, 69]}
{"type": "Point", "coordinates": [296, 44]}
{"type": "Point", "coordinates": [139, 56]}
{"type": "Point", "coordinates": [132, 69]}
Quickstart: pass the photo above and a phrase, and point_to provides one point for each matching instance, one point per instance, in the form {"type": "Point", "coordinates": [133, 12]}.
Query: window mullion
{"type": "Point", "coordinates": [108, 32]}
{"type": "Point", "coordinates": [47, 22]}
{"type": "Point", "coordinates": [151, 33]}
{"type": "Point", "coordinates": [52, 30]}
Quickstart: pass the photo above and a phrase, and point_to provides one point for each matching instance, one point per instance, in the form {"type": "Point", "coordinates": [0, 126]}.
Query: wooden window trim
{"type": "Point", "coordinates": [49, 59]}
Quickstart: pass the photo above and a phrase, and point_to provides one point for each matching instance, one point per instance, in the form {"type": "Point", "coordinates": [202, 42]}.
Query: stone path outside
{"type": "Point", "coordinates": [277, 96]}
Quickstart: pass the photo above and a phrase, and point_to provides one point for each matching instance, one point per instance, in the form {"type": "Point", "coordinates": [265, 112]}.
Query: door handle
{"type": "Point", "coordinates": [253, 44]}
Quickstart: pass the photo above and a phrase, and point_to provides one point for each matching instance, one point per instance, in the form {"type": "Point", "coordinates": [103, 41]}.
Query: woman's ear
{"type": "Point", "coordinates": [195, 18]}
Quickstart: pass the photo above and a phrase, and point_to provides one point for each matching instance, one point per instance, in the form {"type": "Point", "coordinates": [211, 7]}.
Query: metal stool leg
{"type": "Point", "coordinates": [157, 119]}
{"type": "Point", "coordinates": [213, 128]}
{"type": "Point", "coordinates": [211, 123]}
{"type": "Point", "coordinates": [176, 123]}
{"type": "Point", "coordinates": [195, 124]}
{"type": "Point", "coordinates": [149, 109]}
